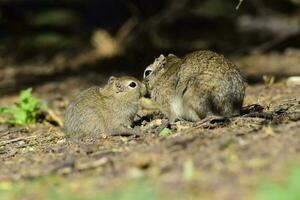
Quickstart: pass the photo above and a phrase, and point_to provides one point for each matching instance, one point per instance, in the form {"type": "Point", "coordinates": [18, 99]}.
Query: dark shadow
{"type": "Point", "coordinates": [107, 67]}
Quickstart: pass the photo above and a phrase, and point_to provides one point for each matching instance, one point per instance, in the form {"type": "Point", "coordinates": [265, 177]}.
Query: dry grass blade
{"type": "Point", "coordinates": [239, 4]}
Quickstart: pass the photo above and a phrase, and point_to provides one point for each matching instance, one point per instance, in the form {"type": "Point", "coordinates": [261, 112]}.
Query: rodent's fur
{"type": "Point", "coordinates": [108, 110]}
{"type": "Point", "coordinates": [201, 84]}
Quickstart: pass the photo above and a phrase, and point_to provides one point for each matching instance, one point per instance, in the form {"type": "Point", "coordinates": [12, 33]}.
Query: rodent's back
{"type": "Point", "coordinates": [208, 63]}
{"type": "Point", "coordinates": [211, 69]}
{"type": "Point", "coordinates": [212, 74]}
{"type": "Point", "coordinates": [84, 116]}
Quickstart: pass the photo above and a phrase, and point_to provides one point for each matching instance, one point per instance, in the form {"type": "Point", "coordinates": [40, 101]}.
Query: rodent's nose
{"type": "Point", "coordinates": [147, 95]}
{"type": "Point", "coordinates": [143, 89]}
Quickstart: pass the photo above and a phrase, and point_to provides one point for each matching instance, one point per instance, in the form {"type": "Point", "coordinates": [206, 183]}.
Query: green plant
{"type": "Point", "coordinates": [25, 111]}
{"type": "Point", "coordinates": [287, 191]}
{"type": "Point", "coordinates": [165, 132]}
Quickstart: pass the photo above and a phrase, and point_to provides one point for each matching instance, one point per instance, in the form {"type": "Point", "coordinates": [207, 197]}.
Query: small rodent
{"type": "Point", "coordinates": [201, 84]}
{"type": "Point", "coordinates": [109, 110]}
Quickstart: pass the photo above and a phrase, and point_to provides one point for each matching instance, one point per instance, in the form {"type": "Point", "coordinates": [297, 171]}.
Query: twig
{"type": "Point", "coordinates": [105, 152]}
{"type": "Point", "coordinates": [3, 143]}
{"type": "Point", "coordinates": [239, 4]}
{"type": "Point", "coordinates": [55, 118]}
{"type": "Point", "coordinates": [9, 131]}
{"type": "Point", "coordinates": [268, 45]}
{"type": "Point", "coordinates": [264, 115]}
{"type": "Point", "coordinates": [126, 29]}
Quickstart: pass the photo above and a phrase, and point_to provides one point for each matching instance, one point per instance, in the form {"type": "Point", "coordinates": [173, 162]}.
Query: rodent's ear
{"type": "Point", "coordinates": [161, 61]}
{"type": "Point", "coordinates": [161, 57]}
{"type": "Point", "coordinates": [111, 79]}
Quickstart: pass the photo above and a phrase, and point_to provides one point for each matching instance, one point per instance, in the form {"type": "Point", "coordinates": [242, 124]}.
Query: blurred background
{"type": "Point", "coordinates": [43, 40]}
{"type": "Point", "coordinates": [61, 47]}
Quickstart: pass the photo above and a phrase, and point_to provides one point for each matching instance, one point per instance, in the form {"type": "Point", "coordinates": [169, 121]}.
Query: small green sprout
{"type": "Point", "coordinates": [188, 172]}
{"type": "Point", "coordinates": [26, 111]}
{"type": "Point", "coordinates": [165, 132]}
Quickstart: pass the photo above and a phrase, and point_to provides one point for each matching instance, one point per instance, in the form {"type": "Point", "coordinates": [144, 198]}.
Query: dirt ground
{"type": "Point", "coordinates": [211, 159]}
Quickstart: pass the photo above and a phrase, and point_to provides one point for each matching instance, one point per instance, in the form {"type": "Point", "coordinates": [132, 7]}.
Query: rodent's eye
{"type": "Point", "coordinates": [132, 84]}
{"type": "Point", "coordinates": [147, 72]}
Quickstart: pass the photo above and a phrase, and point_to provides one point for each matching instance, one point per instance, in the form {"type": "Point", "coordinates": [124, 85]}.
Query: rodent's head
{"type": "Point", "coordinates": [127, 86]}
{"type": "Point", "coordinates": [158, 64]}
{"type": "Point", "coordinates": [153, 71]}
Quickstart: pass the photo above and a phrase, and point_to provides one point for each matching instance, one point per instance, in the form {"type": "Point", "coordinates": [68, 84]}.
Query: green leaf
{"type": "Point", "coordinates": [25, 94]}
{"type": "Point", "coordinates": [30, 105]}
{"type": "Point", "coordinates": [26, 110]}
{"type": "Point", "coordinates": [6, 110]}
{"type": "Point", "coordinates": [20, 117]}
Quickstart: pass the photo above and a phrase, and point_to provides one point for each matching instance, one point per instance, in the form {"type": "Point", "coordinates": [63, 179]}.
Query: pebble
{"type": "Point", "coordinates": [293, 81]}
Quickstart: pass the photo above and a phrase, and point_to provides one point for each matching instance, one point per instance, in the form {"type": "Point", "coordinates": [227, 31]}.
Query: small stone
{"type": "Point", "coordinates": [61, 141]}
{"type": "Point", "coordinates": [21, 143]}
{"type": "Point", "coordinates": [293, 81]}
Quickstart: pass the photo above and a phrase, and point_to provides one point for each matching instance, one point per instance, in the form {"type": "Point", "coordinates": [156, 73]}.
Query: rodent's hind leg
{"type": "Point", "coordinates": [196, 106]}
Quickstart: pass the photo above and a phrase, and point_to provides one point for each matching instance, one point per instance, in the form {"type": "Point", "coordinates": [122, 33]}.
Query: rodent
{"type": "Point", "coordinates": [109, 110]}
{"type": "Point", "coordinates": [201, 84]}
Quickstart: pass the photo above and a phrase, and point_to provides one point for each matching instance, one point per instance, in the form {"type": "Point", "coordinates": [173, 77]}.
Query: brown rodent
{"type": "Point", "coordinates": [201, 84]}
{"type": "Point", "coordinates": [109, 110]}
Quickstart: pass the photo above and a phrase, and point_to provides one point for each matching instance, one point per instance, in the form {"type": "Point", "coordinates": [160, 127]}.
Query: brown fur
{"type": "Point", "coordinates": [108, 110]}
{"type": "Point", "coordinates": [201, 84]}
